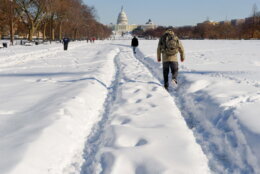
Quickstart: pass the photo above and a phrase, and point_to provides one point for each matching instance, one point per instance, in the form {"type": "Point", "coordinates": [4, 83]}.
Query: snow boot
{"type": "Point", "coordinates": [174, 83]}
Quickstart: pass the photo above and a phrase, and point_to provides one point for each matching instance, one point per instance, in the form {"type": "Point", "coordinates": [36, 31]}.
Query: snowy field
{"type": "Point", "coordinates": [98, 108]}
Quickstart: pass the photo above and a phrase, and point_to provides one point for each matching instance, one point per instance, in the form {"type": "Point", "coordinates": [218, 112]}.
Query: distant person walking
{"type": "Point", "coordinates": [65, 43]}
{"type": "Point", "coordinates": [93, 39]}
{"type": "Point", "coordinates": [134, 44]}
{"type": "Point", "coordinates": [168, 47]}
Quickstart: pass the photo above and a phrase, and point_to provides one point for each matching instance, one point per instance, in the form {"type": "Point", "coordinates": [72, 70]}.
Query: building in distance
{"type": "Point", "coordinates": [123, 26]}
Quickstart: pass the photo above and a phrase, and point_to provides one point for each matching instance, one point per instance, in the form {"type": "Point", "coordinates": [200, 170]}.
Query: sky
{"type": "Point", "coordinates": [172, 12]}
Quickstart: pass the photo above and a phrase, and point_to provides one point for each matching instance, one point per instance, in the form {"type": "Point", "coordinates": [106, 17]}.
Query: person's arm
{"type": "Point", "coordinates": [159, 51]}
{"type": "Point", "coordinates": [181, 50]}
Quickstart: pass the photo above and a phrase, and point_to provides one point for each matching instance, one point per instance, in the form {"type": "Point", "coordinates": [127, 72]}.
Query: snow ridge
{"type": "Point", "coordinates": [218, 131]}
{"type": "Point", "coordinates": [95, 140]}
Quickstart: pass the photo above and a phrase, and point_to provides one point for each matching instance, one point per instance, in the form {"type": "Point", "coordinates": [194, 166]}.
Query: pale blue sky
{"type": "Point", "coordinates": [173, 12]}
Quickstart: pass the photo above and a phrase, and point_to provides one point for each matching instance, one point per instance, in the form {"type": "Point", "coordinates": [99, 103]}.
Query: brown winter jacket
{"type": "Point", "coordinates": [167, 58]}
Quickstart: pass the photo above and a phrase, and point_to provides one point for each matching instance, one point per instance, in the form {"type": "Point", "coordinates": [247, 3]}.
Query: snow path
{"type": "Point", "coordinates": [142, 130]}
{"type": "Point", "coordinates": [219, 98]}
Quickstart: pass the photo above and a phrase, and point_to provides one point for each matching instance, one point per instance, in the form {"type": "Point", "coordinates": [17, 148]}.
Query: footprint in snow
{"type": "Point", "coordinates": [153, 105]}
{"type": "Point", "coordinates": [136, 91]}
{"type": "Point", "coordinates": [154, 89]}
{"type": "Point", "coordinates": [107, 162]}
{"type": "Point", "coordinates": [138, 101]}
{"type": "Point", "coordinates": [126, 121]}
{"type": "Point", "coordinates": [121, 121]}
{"type": "Point", "coordinates": [150, 167]}
{"type": "Point", "coordinates": [149, 96]}
{"type": "Point", "coordinates": [141, 142]}
{"type": "Point", "coordinates": [140, 111]}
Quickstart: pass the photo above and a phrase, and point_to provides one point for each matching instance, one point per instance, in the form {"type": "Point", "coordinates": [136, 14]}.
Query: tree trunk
{"type": "Point", "coordinates": [11, 24]}
{"type": "Point", "coordinates": [11, 31]}
{"type": "Point", "coordinates": [31, 32]}
{"type": "Point", "coordinates": [60, 31]}
{"type": "Point", "coordinates": [52, 31]}
{"type": "Point", "coordinates": [52, 34]}
{"type": "Point", "coordinates": [44, 31]}
{"type": "Point", "coordinates": [253, 27]}
{"type": "Point", "coordinates": [75, 34]}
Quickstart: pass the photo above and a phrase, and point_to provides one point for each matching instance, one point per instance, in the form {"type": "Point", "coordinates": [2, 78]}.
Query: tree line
{"type": "Point", "coordinates": [50, 19]}
{"type": "Point", "coordinates": [248, 29]}
{"type": "Point", "coordinates": [206, 30]}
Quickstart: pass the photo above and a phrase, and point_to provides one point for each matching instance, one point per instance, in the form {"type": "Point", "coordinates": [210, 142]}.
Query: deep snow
{"type": "Point", "coordinates": [50, 99]}
{"type": "Point", "coordinates": [219, 96]}
{"type": "Point", "coordinates": [98, 108]}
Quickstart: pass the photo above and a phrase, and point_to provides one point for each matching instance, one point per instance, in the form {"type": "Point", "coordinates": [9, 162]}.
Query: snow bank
{"type": "Point", "coordinates": [49, 104]}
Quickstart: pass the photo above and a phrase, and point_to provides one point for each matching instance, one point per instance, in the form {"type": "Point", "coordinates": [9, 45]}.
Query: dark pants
{"type": "Point", "coordinates": [174, 70]}
{"type": "Point", "coordinates": [134, 49]}
{"type": "Point", "coordinates": [66, 46]}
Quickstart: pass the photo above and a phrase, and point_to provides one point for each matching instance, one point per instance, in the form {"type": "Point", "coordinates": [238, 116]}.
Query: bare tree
{"type": "Point", "coordinates": [7, 18]}
{"type": "Point", "coordinates": [254, 19]}
{"type": "Point", "coordinates": [31, 13]}
{"type": "Point", "coordinates": [50, 17]}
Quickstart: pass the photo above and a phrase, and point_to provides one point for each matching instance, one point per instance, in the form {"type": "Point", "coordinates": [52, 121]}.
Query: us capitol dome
{"type": "Point", "coordinates": [123, 27]}
{"type": "Point", "coordinates": [122, 18]}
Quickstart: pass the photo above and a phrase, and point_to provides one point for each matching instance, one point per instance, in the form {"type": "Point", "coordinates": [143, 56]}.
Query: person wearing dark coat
{"type": "Point", "coordinates": [134, 43]}
{"type": "Point", "coordinates": [66, 43]}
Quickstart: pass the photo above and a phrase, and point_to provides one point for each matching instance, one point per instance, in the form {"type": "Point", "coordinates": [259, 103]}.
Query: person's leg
{"type": "Point", "coordinates": [174, 70]}
{"type": "Point", "coordinates": [165, 74]}
{"type": "Point", "coordinates": [65, 46]}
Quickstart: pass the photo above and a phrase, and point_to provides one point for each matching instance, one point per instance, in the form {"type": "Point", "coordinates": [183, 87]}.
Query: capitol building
{"type": "Point", "coordinates": [122, 25]}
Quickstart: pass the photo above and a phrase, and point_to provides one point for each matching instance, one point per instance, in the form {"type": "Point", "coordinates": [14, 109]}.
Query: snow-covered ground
{"type": "Point", "coordinates": [219, 96]}
{"type": "Point", "coordinates": [98, 108]}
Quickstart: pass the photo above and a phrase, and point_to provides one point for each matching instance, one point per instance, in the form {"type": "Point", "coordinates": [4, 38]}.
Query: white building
{"type": "Point", "coordinates": [122, 25]}
{"type": "Point", "coordinates": [149, 25]}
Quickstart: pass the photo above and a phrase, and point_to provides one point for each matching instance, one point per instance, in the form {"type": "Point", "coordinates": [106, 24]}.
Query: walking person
{"type": "Point", "coordinates": [134, 44]}
{"type": "Point", "coordinates": [168, 47]}
{"type": "Point", "coordinates": [93, 39]}
{"type": "Point", "coordinates": [65, 43]}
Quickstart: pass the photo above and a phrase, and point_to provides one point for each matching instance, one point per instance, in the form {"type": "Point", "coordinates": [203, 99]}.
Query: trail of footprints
{"type": "Point", "coordinates": [134, 104]}
{"type": "Point", "coordinates": [145, 101]}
